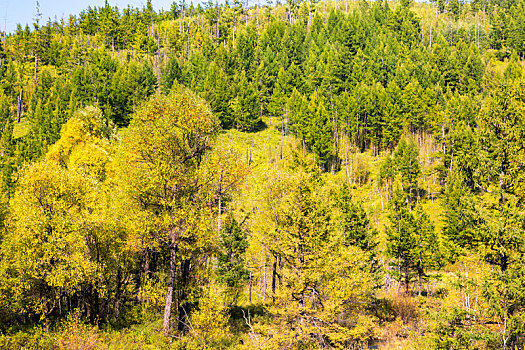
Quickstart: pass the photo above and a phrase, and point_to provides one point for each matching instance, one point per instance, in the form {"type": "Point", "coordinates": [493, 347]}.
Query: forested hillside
{"type": "Point", "coordinates": [333, 174]}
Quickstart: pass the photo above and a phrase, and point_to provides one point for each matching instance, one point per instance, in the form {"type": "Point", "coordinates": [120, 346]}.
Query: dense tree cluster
{"type": "Point", "coordinates": [333, 174]}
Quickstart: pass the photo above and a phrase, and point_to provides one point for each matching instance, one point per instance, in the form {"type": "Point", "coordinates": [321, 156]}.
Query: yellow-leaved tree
{"type": "Point", "coordinates": [175, 184]}
{"type": "Point", "coordinates": [45, 253]}
{"type": "Point", "coordinates": [59, 244]}
{"type": "Point", "coordinates": [84, 143]}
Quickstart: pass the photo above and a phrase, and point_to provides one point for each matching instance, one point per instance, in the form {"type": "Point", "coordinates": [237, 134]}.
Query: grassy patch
{"type": "Point", "coordinates": [21, 129]}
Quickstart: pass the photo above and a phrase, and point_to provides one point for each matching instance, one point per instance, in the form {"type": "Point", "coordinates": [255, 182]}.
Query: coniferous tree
{"type": "Point", "coordinates": [411, 241]}
{"type": "Point", "coordinates": [401, 239]}
{"type": "Point", "coordinates": [502, 125]}
{"type": "Point", "coordinates": [315, 262]}
{"type": "Point", "coordinates": [408, 167]}
{"type": "Point", "coordinates": [356, 224]}
{"type": "Point", "coordinates": [462, 220]}
{"type": "Point", "coordinates": [319, 131]}
{"type": "Point", "coordinates": [281, 91]}
{"type": "Point", "coordinates": [7, 164]}
{"type": "Point", "coordinates": [171, 73]}
{"type": "Point", "coordinates": [245, 105]}
{"type": "Point", "coordinates": [427, 252]}
{"type": "Point", "coordinates": [231, 269]}
{"type": "Point", "coordinates": [217, 91]}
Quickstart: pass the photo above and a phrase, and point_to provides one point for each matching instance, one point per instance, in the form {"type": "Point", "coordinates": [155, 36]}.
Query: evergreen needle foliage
{"type": "Point", "coordinates": [314, 174]}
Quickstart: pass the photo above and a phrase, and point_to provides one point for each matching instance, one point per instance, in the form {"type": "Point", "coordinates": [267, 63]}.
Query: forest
{"type": "Point", "coordinates": [341, 174]}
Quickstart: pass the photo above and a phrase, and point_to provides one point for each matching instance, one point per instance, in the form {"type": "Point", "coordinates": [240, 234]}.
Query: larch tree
{"type": "Point", "coordinates": [320, 280]}
{"type": "Point", "coordinates": [502, 134]}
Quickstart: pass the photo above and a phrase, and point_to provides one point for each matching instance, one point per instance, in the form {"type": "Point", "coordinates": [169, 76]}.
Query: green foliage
{"type": "Point", "coordinates": [318, 132]}
{"type": "Point", "coordinates": [84, 143]}
{"type": "Point", "coordinates": [245, 105]}
{"type": "Point", "coordinates": [218, 92]}
{"type": "Point", "coordinates": [7, 165]}
{"type": "Point", "coordinates": [130, 85]}
{"type": "Point", "coordinates": [321, 279]}
{"type": "Point", "coordinates": [355, 223]}
{"type": "Point", "coordinates": [209, 324]}
{"type": "Point", "coordinates": [462, 218]}
{"type": "Point", "coordinates": [110, 199]}
{"type": "Point", "coordinates": [411, 241]}
{"type": "Point", "coordinates": [281, 90]}
{"type": "Point", "coordinates": [46, 252]}
{"type": "Point", "coordinates": [407, 166]}
{"type": "Point", "coordinates": [504, 295]}
{"type": "Point", "coordinates": [231, 264]}
{"type": "Point", "coordinates": [166, 169]}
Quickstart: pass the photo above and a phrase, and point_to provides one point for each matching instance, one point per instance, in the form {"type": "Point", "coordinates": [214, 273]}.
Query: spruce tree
{"type": "Point", "coordinates": [401, 239]}
{"type": "Point", "coordinates": [462, 219]}
{"type": "Point", "coordinates": [281, 91]}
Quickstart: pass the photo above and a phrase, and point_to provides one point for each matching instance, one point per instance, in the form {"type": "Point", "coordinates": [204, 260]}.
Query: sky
{"type": "Point", "coordinates": [23, 11]}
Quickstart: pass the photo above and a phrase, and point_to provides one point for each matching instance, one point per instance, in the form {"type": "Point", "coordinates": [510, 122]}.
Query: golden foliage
{"type": "Point", "coordinates": [209, 324]}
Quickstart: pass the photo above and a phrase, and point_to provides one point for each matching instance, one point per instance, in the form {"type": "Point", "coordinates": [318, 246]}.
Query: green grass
{"type": "Point", "coordinates": [21, 129]}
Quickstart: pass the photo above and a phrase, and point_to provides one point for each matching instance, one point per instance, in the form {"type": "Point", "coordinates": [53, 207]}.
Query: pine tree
{"type": "Point", "coordinates": [502, 131]}
{"type": "Point", "coordinates": [401, 239]}
{"type": "Point", "coordinates": [217, 92]}
{"type": "Point", "coordinates": [453, 7]}
{"type": "Point", "coordinates": [3, 62]}
{"type": "Point", "coordinates": [427, 252]}
{"type": "Point", "coordinates": [319, 276]}
{"type": "Point", "coordinates": [462, 221]}
{"type": "Point", "coordinates": [394, 123]}
{"type": "Point", "coordinates": [514, 70]}
{"type": "Point", "coordinates": [413, 107]}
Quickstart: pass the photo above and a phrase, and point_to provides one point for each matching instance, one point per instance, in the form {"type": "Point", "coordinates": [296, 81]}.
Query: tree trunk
{"type": "Point", "coordinates": [258, 6]}
{"type": "Point", "coordinates": [144, 269]}
{"type": "Point", "coordinates": [233, 32]}
{"type": "Point", "coordinates": [419, 282]}
{"type": "Point", "coordinates": [36, 62]}
{"type": "Point", "coordinates": [407, 280]}
{"type": "Point", "coordinates": [264, 280]}
{"type": "Point", "coordinates": [219, 192]}
{"type": "Point", "coordinates": [182, 312]}
{"type": "Point", "coordinates": [250, 294]}
{"type": "Point", "coordinates": [118, 295]}
{"type": "Point", "coordinates": [169, 295]}
{"type": "Point", "coordinates": [19, 105]}
{"type": "Point", "coordinates": [274, 277]}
